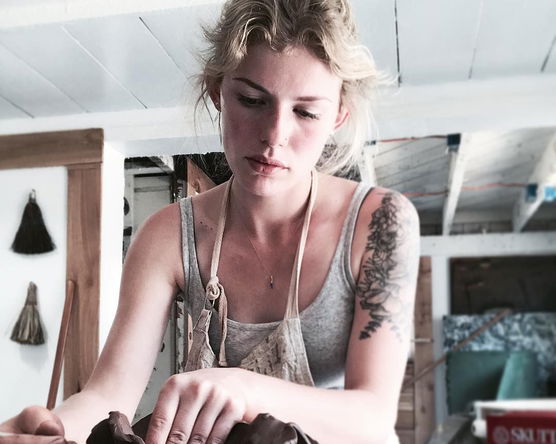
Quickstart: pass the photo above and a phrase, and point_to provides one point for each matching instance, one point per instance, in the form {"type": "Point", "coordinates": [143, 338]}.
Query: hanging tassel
{"type": "Point", "coordinates": [28, 328]}
{"type": "Point", "coordinates": [32, 236]}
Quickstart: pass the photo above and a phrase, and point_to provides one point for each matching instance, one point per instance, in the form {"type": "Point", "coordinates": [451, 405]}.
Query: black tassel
{"type": "Point", "coordinates": [32, 236]}
{"type": "Point", "coordinates": [28, 328]}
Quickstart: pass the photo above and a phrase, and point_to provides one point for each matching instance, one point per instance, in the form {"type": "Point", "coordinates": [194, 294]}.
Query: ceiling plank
{"type": "Point", "coordinates": [9, 111]}
{"type": "Point", "coordinates": [50, 51]}
{"type": "Point", "coordinates": [376, 25]}
{"type": "Point", "coordinates": [436, 39]}
{"type": "Point", "coordinates": [30, 91]}
{"type": "Point", "coordinates": [458, 161]}
{"type": "Point", "coordinates": [516, 42]}
{"type": "Point", "coordinates": [111, 41]}
{"type": "Point", "coordinates": [544, 174]}
{"type": "Point", "coordinates": [179, 33]}
{"type": "Point", "coordinates": [60, 11]}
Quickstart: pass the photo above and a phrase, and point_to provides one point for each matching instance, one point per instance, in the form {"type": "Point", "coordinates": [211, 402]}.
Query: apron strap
{"type": "Point", "coordinates": [292, 308]}
{"type": "Point", "coordinates": [214, 289]}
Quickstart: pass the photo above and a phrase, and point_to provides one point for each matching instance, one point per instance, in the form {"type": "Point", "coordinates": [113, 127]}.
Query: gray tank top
{"type": "Point", "coordinates": [325, 323]}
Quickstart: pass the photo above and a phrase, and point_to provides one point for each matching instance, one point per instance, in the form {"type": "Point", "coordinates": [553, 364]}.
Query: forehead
{"type": "Point", "coordinates": [296, 72]}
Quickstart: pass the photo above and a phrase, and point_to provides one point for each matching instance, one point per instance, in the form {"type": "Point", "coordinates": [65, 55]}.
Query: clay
{"type": "Point", "coordinates": [265, 429]}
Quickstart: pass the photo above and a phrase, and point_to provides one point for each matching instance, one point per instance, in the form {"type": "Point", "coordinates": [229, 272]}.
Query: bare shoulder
{"type": "Point", "coordinates": [335, 194]}
{"type": "Point", "coordinates": [157, 244]}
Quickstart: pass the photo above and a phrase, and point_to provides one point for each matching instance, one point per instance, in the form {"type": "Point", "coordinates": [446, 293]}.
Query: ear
{"type": "Point", "coordinates": [214, 93]}
{"type": "Point", "coordinates": [341, 117]}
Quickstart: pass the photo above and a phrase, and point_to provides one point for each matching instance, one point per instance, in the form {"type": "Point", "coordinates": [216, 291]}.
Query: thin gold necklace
{"type": "Point", "coordinates": [270, 276]}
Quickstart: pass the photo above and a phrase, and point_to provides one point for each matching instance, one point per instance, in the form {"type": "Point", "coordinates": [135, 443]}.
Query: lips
{"type": "Point", "coordinates": [266, 161]}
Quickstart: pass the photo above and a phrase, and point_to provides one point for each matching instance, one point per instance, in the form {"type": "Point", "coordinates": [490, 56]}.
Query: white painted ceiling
{"type": "Point", "coordinates": [86, 58]}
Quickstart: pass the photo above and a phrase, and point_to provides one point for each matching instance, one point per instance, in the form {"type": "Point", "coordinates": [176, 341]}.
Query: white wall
{"type": "Point", "coordinates": [112, 225]}
{"type": "Point", "coordinates": [25, 370]}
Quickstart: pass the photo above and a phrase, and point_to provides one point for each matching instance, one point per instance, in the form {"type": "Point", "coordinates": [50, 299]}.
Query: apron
{"type": "Point", "coordinates": [282, 353]}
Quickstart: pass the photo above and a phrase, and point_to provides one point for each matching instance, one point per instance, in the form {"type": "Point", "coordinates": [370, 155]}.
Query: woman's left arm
{"type": "Point", "coordinates": [386, 243]}
{"type": "Point", "coordinates": [388, 239]}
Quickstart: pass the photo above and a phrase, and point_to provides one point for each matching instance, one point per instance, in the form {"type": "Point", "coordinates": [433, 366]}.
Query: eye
{"type": "Point", "coordinates": [306, 114]}
{"type": "Point", "coordinates": [250, 101]}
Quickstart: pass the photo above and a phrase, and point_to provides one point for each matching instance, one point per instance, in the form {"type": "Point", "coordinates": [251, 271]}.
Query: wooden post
{"type": "Point", "coordinates": [83, 267]}
{"type": "Point", "coordinates": [424, 387]}
{"type": "Point", "coordinates": [81, 153]}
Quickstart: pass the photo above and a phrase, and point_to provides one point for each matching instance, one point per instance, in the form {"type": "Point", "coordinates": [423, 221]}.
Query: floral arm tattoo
{"type": "Point", "coordinates": [388, 275]}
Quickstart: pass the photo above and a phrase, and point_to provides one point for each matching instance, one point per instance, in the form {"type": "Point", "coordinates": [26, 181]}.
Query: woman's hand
{"type": "Point", "coordinates": [34, 425]}
{"type": "Point", "coordinates": [199, 407]}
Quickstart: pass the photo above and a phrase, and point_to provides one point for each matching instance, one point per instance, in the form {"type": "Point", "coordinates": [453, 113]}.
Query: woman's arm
{"type": "Point", "coordinates": [387, 245]}
{"type": "Point", "coordinates": [125, 364]}
{"type": "Point", "coordinates": [147, 289]}
{"type": "Point", "coordinates": [378, 349]}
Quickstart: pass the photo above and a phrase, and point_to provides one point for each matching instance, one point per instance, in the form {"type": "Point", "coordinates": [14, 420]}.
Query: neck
{"type": "Point", "coordinates": [275, 216]}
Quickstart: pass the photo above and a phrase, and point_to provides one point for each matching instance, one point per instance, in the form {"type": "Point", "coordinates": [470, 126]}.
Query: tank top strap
{"type": "Point", "coordinates": [348, 230]}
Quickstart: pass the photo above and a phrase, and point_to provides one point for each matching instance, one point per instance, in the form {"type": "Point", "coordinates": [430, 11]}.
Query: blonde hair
{"type": "Point", "coordinates": [324, 27]}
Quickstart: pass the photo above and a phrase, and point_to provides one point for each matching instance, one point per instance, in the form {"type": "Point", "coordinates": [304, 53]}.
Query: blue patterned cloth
{"type": "Point", "coordinates": [535, 332]}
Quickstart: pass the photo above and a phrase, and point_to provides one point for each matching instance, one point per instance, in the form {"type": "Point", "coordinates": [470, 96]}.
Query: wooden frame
{"type": "Point", "coordinates": [81, 153]}
{"type": "Point", "coordinates": [415, 423]}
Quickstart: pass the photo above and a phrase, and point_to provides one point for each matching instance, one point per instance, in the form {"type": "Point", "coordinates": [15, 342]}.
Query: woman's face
{"type": "Point", "coordinates": [278, 110]}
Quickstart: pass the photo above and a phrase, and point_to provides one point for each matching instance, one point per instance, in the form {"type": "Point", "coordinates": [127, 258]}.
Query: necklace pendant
{"type": "Point", "coordinates": [271, 283]}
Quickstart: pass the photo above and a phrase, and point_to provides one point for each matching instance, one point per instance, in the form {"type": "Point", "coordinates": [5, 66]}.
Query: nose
{"type": "Point", "coordinates": [276, 128]}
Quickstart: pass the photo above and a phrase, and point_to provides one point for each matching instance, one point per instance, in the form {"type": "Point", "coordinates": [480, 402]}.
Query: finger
{"type": "Point", "coordinates": [230, 416]}
{"type": "Point", "coordinates": [186, 416]}
{"type": "Point", "coordinates": [163, 415]}
{"type": "Point", "coordinates": [31, 439]}
{"type": "Point", "coordinates": [31, 418]}
{"type": "Point", "coordinates": [205, 421]}
{"type": "Point", "coordinates": [51, 427]}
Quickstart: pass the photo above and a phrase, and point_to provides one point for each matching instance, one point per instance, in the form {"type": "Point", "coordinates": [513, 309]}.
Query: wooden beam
{"type": "Point", "coordinates": [51, 149]}
{"type": "Point", "coordinates": [477, 245]}
{"type": "Point", "coordinates": [83, 268]}
{"type": "Point", "coordinates": [543, 175]}
{"type": "Point", "coordinates": [410, 111]}
{"type": "Point", "coordinates": [146, 124]}
{"type": "Point", "coordinates": [165, 163]}
{"type": "Point", "coordinates": [458, 161]}
{"type": "Point", "coordinates": [59, 11]}
{"type": "Point", "coordinates": [497, 104]}
{"type": "Point", "coordinates": [424, 388]}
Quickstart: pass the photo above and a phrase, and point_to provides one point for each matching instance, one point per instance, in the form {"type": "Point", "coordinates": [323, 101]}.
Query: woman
{"type": "Point", "coordinates": [319, 272]}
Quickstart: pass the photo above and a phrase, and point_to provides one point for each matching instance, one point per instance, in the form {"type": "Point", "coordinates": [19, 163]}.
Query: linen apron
{"type": "Point", "coordinates": [282, 353]}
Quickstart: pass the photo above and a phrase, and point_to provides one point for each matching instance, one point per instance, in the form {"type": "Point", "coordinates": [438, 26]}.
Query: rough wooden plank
{"type": "Point", "coordinates": [498, 244]}
{"type": "Point", "coordinates": [83, 267]}
{"type": "Point", "coordinates": [406, 436]}
{"type": "Point", "coordinates": [458, 162]}
{"type": "Point", "coordinates": [424, 388]}
{"type": "Point", "coordinates": [63, 148]}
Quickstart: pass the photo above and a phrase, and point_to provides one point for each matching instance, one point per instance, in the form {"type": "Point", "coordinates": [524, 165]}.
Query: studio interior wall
{"type": "Point", "coordinates": [25, 370]}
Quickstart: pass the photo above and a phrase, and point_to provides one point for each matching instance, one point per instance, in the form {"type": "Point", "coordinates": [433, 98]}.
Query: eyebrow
{"type": "Point", "coordinates": [265, 91]}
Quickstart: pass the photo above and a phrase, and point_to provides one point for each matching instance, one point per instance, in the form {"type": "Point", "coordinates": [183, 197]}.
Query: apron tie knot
{"type": "Point", "coordinates": [214, 289]}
